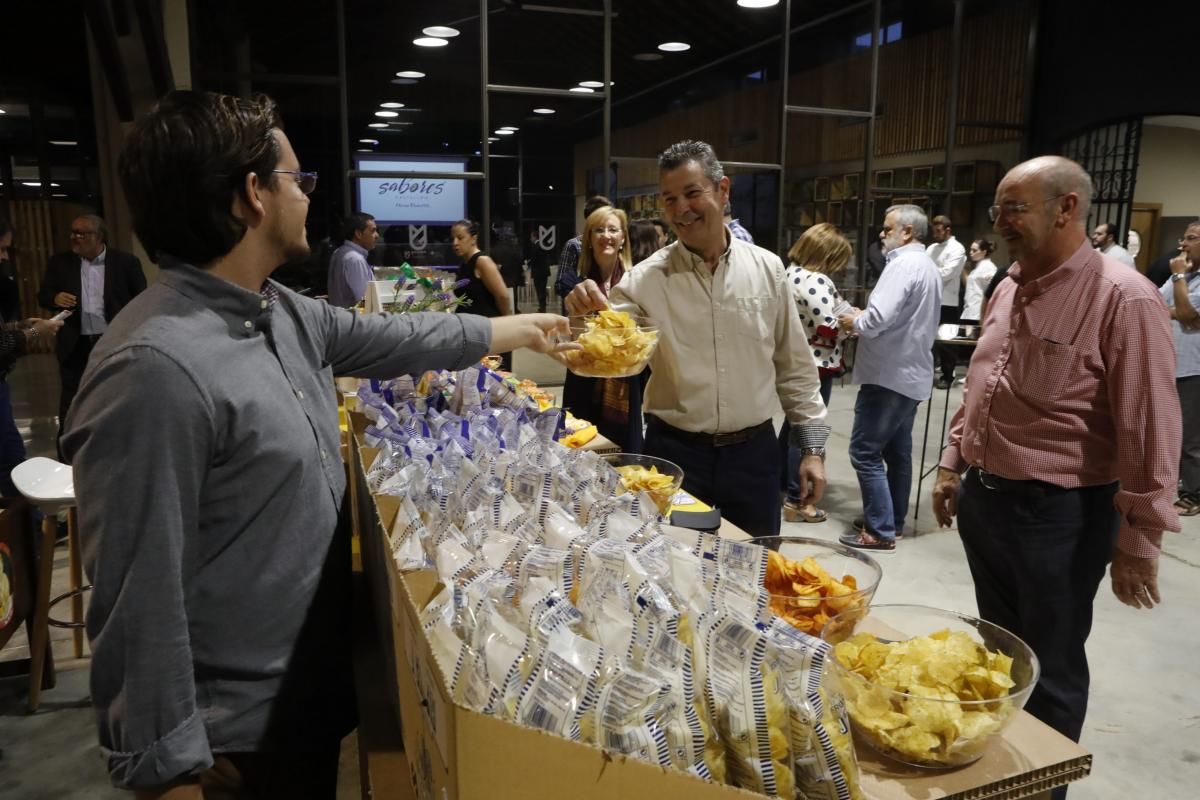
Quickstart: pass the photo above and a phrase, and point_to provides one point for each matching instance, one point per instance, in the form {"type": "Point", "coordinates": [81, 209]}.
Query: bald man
{"type": "Point", "coordinates": [1068, 436]}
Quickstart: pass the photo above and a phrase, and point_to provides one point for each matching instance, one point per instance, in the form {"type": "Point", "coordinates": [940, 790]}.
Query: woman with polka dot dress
{"type": "Point", "coordinates": [815, 258]}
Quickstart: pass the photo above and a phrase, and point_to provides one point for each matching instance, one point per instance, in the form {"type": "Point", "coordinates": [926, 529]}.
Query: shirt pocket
{"type": "Point", "coordinates": [753, 318]}
{"type": "Point", "coordinates": [1045, 370]}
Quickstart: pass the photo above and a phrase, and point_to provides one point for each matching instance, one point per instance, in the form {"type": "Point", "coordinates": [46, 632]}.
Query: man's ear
{"type": "Point", "coordinates": [248, 203]}
{"type": "Point", "coordinates": [723, 189]}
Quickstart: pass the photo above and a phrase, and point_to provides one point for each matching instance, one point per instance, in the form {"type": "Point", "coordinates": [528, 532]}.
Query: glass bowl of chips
{"type": "Point", "coordinates": [927, 687]}
{"type": "Point", "coordinates": [615, 344]}
{"type": "Point", "coordinates": [810, 581]}
{"type": "Point", "coordinates": [656, 477]}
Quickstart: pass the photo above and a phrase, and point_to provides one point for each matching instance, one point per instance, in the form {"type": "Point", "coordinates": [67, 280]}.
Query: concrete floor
{"type": "Point", "coordinates": [1143, 726]}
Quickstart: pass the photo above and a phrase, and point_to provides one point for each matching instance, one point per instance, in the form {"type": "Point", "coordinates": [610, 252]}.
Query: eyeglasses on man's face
{"type": "Point", "coordinates": [1190, 238]}
{"type": "Point", "coordinates": [78, 234]}
{"type": "Point", "coordinates": [307, 180]}
{"type": "Point", "coordinates": [1013, 209]}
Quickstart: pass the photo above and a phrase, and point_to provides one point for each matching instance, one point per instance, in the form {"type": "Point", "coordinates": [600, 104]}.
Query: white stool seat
{"type": "Point", "coordinates": [46, 483]}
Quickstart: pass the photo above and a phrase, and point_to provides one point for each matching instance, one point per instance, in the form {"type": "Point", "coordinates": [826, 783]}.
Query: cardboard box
{"type": "Point", "coordinates": [458, 754]}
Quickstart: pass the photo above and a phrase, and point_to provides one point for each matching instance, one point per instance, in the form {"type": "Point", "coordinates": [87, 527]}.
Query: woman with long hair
{"type": "Point", "coordinates": [644, 239]}
{"type": "Point", "coordinates": [819, 254]}
{"type": "Point", "coordinates": [614, 405]}
{"type": "Point", "coordinates": [484, 287]}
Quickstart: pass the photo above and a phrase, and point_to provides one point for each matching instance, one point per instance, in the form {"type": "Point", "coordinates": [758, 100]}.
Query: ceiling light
{"type": "Point", "coordinates": [509, 128]}
{"type": "Point", "coordinates": [504, 132]}
{"type": "Point", "coordinates": [365, 150]}
{"type": "Point", "coordinates": [592, 84]}
{"type": "Point", "coordinates": [430, 42]}
{"type": "Point", "coordinates": [377, 125]}
{"type": "Point", "coordinates": [674, 47]}
{"type": "Point", "coordinates": [440, 31]}
{"type": "Point", "coordinates": [544, 111]}
{"type": "Point", "coordinates": [403, 81]}
{"type": "Point", "coordinates": [391, 105]}
{"type": "Point", "coordinates": [648, 57]}
{"type": "Point", "coordinates": [757, 3]}
{"type": "Point", "coordinates": [386, 114]}
{"type": "Point", "coordinates": [493, 138]}
{"type": "Point", "coordinates": [583, 90]}
{"type": "Point", "coordinates": [410, 73]}
{"type": "Point", "coordinates": [2, 111]}
{"type": "Point", "coordinates": [368, 141]}
{"type": "Point", "coordinates": [63, 142]}
{"type": "Point", "coordinates": [58, 194]}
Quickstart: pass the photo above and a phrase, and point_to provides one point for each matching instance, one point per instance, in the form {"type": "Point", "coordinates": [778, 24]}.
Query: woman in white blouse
{"type": "Point", "coordinates": [815, 258]}
{"type": "Point", "coordinates": [977, 280]}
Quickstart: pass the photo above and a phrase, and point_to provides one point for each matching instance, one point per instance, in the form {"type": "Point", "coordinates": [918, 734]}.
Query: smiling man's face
{"type": "Point", "coordinates": [693, 204]}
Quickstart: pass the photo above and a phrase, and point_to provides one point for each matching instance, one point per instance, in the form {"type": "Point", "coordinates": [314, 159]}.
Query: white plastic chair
{"type": "Point", "coordinates": [50, 486]}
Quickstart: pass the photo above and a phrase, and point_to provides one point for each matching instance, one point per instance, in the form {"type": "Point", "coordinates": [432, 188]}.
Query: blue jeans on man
{"type": "Point", "coordinates": [881, 454]}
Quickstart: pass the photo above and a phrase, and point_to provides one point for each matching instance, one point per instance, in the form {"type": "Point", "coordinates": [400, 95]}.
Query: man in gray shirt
{"type": "Point", "coordinates": [349, 272]}
{"type": "Point", "coordinates": [205, 444]}
{"type": "Point", "coordinates": [894, 369]}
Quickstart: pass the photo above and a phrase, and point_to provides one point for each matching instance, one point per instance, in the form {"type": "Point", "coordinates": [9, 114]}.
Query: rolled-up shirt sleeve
{"type": "Point", "coordinates": [144, 429]}
{"type": "Point", "coordinates": [1140, 353]}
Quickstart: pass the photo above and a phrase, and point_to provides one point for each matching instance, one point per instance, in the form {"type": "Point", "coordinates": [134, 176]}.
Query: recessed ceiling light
{"type": "Point", "coordinates": [377, 125]}
{"type": "Point", "coordinates": [648, 57]}
{"type": "Point", "coordinates": [63, 142]}
{"type": "Point", "coordinates": [674, 47]}
{"type": "Point", "coordinates": [583, 90]}
{"type": "Point", "coordinates": [544, 111]}
{"type": "Point", "coordinates": [592, 84]}
{"type": "Point", "coordinates": [365, 150]}
{"type": "Point", "coordinates": [493, 138]}
{"type": "Point", "coordinates": [757, 3]}
{"type": "Point", "coordinates": [440, 31]}
{"type": "Point", "coordinates": [504, 132]}
{"type": "Point", "coordinates": [386, 114]}
{"type": "Point", "coordinates": [58, 194]}
{"type": "Point", "coordinates": [430, 42]}
{"type": "Point", "coordinates": [391, 105]}
{"type": "Point", "coordinates": [509, 128]}
{"type": "Point", "coordinates": [2, 111]}
{"type": "Point", "coordinates": [410, 73]}
{"type": "Point", "coordinates": [368, 141]}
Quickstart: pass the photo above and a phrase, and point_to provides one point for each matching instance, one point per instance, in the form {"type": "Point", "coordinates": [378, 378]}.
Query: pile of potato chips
{"type": "Point", "coordinates": [805, 594]}
{"type": "Point", "coordinates": [910, 701]}
{"type": "Point", "coordinates": [613, 347]}
{"type": "Point", "coordinates": [660, 486]}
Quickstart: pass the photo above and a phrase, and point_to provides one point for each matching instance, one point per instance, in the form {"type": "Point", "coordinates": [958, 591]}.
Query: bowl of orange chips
{"type": "Point", "coordinates": [810, 581]}
{"type": "Point", "coordinates": [928, 687]}
{"type": "Point", "coordinates": [614, 344]}
{"type": "Point", "coordinates": [656, 477]}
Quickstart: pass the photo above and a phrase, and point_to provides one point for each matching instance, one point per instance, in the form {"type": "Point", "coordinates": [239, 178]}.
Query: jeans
{"type": "Point", "coordinates": [741, 480]}
{"type": "Point", "coordinates": [1189, 459]}
{"type": "Point", "coordinates": [791, 455]}
{"type": "Point", "coordinates": [881, 454]}
{"type": "Point", "coordinates": [1037, 563]}
{"type": "Point", "coordinates": [12, 446]}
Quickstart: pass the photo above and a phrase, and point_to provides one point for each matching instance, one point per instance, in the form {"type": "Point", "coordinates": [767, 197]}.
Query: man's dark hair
{"type": "Point", "coordinates": [183, 162]}
{"type": "Point", "coordinates": [594, 202]}
{"type": "Point", "coordinates": [943, 220]}
{"type": "Point", "coordinates": [702, 153]}
{"type": "Point", "coordinates": [355, 223]}
{"type": "Point", "coordinates": [1110, 230]}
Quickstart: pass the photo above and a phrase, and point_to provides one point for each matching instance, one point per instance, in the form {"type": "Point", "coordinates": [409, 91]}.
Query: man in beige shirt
{"type": "Point", "coordinates": [731, 350]}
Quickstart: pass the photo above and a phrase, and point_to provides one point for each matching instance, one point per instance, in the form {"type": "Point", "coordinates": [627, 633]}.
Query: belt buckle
{"type": "Point", "coordinates": [724, 439]}
{"type": "Point", "coordinates": [983, 480]}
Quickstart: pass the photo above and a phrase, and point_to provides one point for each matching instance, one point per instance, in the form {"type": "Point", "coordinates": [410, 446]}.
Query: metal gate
{"type": "Point", "coordinates": [1110, 156]}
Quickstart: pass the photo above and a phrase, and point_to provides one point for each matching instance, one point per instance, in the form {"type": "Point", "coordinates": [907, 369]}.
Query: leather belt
{"type": "Point", "coordinates": [1028, 488]}
{"type": "Point", "coordinates": [656, 425]}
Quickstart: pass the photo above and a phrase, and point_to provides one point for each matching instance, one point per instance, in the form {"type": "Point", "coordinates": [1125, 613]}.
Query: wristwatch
{"type": "Point", "coordinates": [819, 452]}
{"type": "Point", "coordinates": [1179, 276]}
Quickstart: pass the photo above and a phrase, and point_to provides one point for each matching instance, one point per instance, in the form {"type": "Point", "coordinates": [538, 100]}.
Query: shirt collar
{"type": "Point", "coordinates": [694, 261]}
{"type": "Point", "coordinates": [908, 248]}
{"type": "Point", "coordinates": [356, 247]}
{"type": "Point", "coordinates": [98, 260]}
{"type": "Point", "coordinates": [235, 305]}
{"type": "Point", "coordinates": [1081, 259]}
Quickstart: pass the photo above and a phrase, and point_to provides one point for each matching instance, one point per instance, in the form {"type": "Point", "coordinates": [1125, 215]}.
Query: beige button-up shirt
{"type": "Point", "coordinates": [731, 345]}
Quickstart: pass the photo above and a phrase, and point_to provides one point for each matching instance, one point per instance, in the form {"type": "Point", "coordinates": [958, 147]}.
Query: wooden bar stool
{"type": "Point", "coordinates": [50, 486]}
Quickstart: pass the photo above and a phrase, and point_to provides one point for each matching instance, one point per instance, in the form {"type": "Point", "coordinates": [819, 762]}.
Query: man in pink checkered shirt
{"type": "Point", "coordinates": [1069, 435]}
